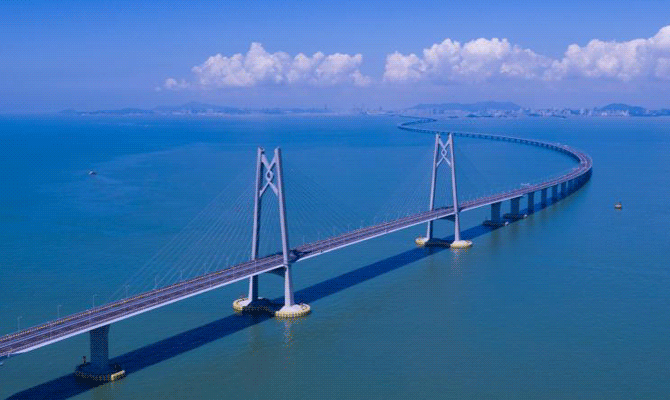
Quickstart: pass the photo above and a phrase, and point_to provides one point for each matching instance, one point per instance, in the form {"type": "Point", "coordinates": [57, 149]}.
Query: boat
{"type": "Point", "coordinates": [618, 206]}
{"type": "Point", "coordinates": [91, 172]}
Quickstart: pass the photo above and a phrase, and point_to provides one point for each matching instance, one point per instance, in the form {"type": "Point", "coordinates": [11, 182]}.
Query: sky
{"type": "Point", "coordinates": [90, 55]}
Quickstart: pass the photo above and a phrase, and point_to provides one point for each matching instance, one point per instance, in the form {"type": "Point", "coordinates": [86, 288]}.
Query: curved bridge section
{"type": "Point", "coordinates": [97, 320]}
{"type": "Point", "coordinates": [575, 178]}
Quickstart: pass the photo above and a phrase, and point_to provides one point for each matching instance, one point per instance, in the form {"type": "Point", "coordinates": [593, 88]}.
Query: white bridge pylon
{"type": "Point", "coordinates": [444, 154]}
{"type": "Point", "coordinates": [270, 175]}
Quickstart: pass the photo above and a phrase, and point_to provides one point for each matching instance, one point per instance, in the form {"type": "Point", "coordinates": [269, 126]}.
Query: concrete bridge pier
{"type": "Point", "coordinates": [290, 308]}
{"type": "Point", "coordinates": [564, 189]}
{"type": "Point", "coordinates": [99, 368]}
{"type": "Point", "coordinates": [515, 210]}
{"type": "Point", "coordinates": [100, 348]}
{"type": "Point", "coordinates": [554, 193]}
{"type": "Point", "coordinates": [531, 202]}
{"type": "Point", "coordinates": [495, 221]}
{"type": "Point", "coordinates": [543, 197]}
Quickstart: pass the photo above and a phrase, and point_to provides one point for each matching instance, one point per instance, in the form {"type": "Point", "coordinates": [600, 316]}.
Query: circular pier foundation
{"type": "Point", "coordinates": [89, 373]}
{"type": "Point", "coordinates": [461, 244]}
{"type": "Point", "coordinates": [243, 305]}
{"type": "Point", "coordinates": [294, 311]}
{"type": "Point", "coordinates": [432, 242]}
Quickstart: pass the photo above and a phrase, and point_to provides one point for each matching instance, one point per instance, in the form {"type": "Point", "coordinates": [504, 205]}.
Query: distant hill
{"type": "Point", "coordinates": [471, 107]}
{"type": "Point", "coordinates": [632, 110]}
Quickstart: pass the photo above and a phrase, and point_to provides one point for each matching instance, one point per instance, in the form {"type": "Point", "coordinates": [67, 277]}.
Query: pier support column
{"type": "Point", "coordinates": [253, 288]}
{"type": "Point", "coordinates": [288, 287]}
{"type": "Point", "coordinates": [554, 193]}
{"type": "Point", "coordinates": [543, 197]}
{"type": "Point", "coordinates": [252, 297]}
{"type": "Point", "coordinates": [290, 309]}
{"type": "Point", "coordinates": [531, 202]}
{"type": "Point", "coordinates": [99, 369]}
{"type": "Point", "coordinates": [564, 189]}
{"type": "Point", "coordinates": [100, 348]}
{"type": "Point", "coordinates": [515, 209]}
{"type": "Point", "coordinates": [495, 220]}
{"type": "Point", "coordinates": [514, 205]}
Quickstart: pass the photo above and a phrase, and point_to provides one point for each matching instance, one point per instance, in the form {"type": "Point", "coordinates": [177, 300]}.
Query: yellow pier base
{"type": "Point", "coordinates": [266, 306]}
{"type": "Point", "coordinates": [461, 244]}
{"type": "Point", "coordinates": [84, 372]}
{"type": "Point", "coordinates": [426, 242]}
{"type": "Point", "coordinates": [294, 311]}
{"type": "Point", "coordinates": [458, 244]}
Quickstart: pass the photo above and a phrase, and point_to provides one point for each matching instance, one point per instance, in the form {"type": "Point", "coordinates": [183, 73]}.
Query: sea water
{"type": "Point", "coordinates": [571, 302]}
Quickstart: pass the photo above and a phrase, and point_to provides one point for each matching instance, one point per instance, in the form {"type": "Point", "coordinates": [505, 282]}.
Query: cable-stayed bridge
{"type": "Point", "coordinates": [270, 180]}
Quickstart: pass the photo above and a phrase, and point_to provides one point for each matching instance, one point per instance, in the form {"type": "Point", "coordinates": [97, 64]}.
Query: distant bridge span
{"type": "Point", "coordinates": [97, 319]}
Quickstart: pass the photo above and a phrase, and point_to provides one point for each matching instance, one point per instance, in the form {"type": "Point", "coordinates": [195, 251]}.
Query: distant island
{"type": "Point", "coordinates": [486, 109]}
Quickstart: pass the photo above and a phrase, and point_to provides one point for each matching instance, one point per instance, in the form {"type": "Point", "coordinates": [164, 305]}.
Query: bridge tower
{"type": "Point", "coordinates": [444, 153]}
{"type": "Point", "coordinates": [269, 174]}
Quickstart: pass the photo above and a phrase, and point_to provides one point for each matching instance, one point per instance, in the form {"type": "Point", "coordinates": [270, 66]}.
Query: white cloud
{"type": "Point", "coordinates": [171, 83]}
{"type": "Point", "coordinates": [624, 61]}
{"type": "Point", "coordinates": [487, 59]}
{"type": "Point", "coordinates": [475, 61]}
{"type": "Point", "coordinates": [259, 67]}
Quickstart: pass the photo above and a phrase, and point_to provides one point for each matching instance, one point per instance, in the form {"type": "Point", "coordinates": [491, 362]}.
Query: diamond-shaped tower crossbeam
{"type": "Point", "coordinates": [444, 154]}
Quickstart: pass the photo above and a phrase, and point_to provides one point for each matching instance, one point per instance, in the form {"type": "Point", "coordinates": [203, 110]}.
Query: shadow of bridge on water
{"type": "Point", "coordinates": [67, 386]}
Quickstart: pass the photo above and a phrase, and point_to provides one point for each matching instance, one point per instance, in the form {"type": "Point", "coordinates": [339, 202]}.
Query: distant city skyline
{"type": "Point", "coordinates": [107, 55]}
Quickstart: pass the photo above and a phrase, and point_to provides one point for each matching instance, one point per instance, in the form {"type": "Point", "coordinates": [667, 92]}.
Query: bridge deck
{"type": "Point", "coordinates": [56, 330]}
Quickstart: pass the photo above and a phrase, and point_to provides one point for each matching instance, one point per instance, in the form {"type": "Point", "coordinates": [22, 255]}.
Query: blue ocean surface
{"type": "Point", "coordinates": [571, 302]}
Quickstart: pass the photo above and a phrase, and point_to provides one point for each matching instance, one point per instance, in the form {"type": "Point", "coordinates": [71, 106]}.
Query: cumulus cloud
{"type": "Point", "coordinates": [474, 61]}
{"type": "Point", "coordinates": [487, 59]}
{"type": "Point", "coordinates": [171, 83]}
{"type": "Point", "coordinates": [624, 61]}
{"type": "Point", "coordinates": [259, 67]}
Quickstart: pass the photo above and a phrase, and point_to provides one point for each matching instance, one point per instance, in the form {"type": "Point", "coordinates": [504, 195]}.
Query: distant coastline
{"type": "Point", "coordinates": [195, 108]}
{"type": "Point", "coordinates": [489, 109]}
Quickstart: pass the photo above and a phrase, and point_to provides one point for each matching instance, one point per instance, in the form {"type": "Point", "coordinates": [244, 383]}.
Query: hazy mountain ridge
{"type": "Point", "coordinates": [452, 110]}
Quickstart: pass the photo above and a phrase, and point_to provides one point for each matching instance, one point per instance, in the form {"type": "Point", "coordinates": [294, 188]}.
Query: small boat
{"type": "Point", "coordinates": [618, 206]}
{"type": "Point", "coordinates": [91, 172]}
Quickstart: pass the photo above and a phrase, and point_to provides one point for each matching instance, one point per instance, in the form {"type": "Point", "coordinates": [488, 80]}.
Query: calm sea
{"type": "Point", "coordinates": [572, 302]}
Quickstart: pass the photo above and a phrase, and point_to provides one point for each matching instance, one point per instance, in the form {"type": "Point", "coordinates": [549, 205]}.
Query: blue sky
{"type": "Point", "coordinates": [111, 54]}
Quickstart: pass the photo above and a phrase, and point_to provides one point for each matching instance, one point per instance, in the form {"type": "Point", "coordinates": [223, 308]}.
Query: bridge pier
{"type": "Point", "coordinates": [99, 369]}
{"type": "Point", "coordinates": [515, 210]}
{"type": "Point", "coordinates": [290, 308]}
{"type": "Point", "coordinates": [253, 288]}
{"type": "Point", "coordinates": [554, 193]}
{"type": "Point", "coordinates": [495, 221]}
{"type": "Point", "coordinates": [531, 202]}
{"type": "Point", "coordinates": [543, 198]}
{"type": "Point", "coordinates": [564, 189]}
{"type": "Point", "coordinates": [100, 348]}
